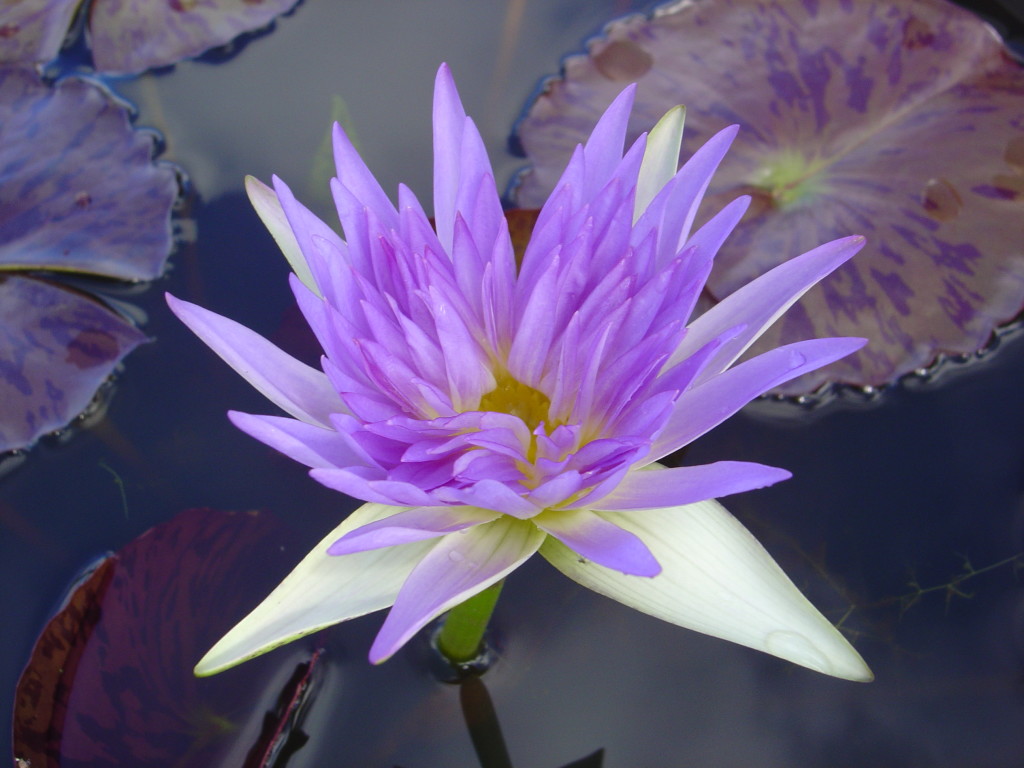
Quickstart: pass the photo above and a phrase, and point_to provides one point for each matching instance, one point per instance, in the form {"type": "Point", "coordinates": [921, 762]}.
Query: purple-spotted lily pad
{"type": "Point", "coordinates": [110, 679]}
{"type": "Point", "coordinates": [902, 120]}
{"type": "Point", "coordinates": [33, 30]}
{"type": "Point", "coordinates": [78, 189]}
{"type": "Point", "coordinates": [130, 36]}
{"type": "Point", "coordinates": [79, 192]}
{"type": "Point", "coordinates": [56, 347]}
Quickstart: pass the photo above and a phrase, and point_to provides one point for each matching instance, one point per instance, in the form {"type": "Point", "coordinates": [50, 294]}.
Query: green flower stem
{"type": "Point", "coordinates": [463, 630]}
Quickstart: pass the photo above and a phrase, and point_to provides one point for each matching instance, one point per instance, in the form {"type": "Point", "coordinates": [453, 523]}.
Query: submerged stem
{"type": "Point", "coordinates": [463, 630]}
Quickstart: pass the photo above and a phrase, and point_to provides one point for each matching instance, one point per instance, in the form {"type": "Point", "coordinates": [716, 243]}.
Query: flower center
{"type": "Point", "coordinates": [518, 399]}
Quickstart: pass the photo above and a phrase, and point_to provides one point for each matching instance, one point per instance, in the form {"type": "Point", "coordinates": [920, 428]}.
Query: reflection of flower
{"type": "Point", "coordinates": [488, 411]}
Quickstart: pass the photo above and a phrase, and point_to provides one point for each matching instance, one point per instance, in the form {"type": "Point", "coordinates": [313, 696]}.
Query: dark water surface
{"type": "Point", "coordinates": [906, 486]}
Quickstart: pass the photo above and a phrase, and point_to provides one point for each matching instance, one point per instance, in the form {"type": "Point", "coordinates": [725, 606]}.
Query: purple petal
{"type": "Point", "coordinates": [307, 228]}
{"type": "Point", "coordinates": [682, 375]}
{"type": "Point", "coordinates": [710, 237]}
{"type": "Point", "coordinates": [393, 377]}
{"type": "Point", "coordinates": [449, 124]}
{"type": "Point", "coordinates": [654, 488]}
{"type": "Point", "coordinates": [380, 491]}
{"type": "Point", "coordinates": [490, 494]}
{"type": "Point", "coordinates": [337, 336]}
{"type": "Point", "coordinates": [477, 203]}
{"type": "Point", "coordinates": [356, 177]}
{"type": "Point", "coordinates": [410, 525]}
{"type": "Point", "coordinates": [603, 150]}
{"type": "Point", "coordinates": [557, 489]}
{"type": "Point", "coordinates": [760, 303]}
{"type": "Point", "coordinates": [268, 207]}
{"type": "Point", "coordinates": [299, 390]}
{"type": "Point", "coordinates": [458, 567]}
{"type": "Point", "coordinates": [708, 405]}
{"type": "Point", "coordinates": [594, 538]}
{"type": "Point", "coordinates": [674, 209]}
{"type": "Point", "coordinates": [497, 290]}
{"type": "Point", "coordinates": [467, 368]}
{"type": "Point", "coordinates": [535, 331]}
{"type": "Point", "coordinates": [307, 444]}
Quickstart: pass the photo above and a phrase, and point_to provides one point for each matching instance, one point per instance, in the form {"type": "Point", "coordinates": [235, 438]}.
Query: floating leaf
{"type": "Point", "coordinates": [56, 347]}
{"type": "Point", "coordinates": [79, 192]}
{"type": "Point", "coordinates": [110, 679]}
{"type": "Point", "coordinates": [78, 189]}
{"type": "Point", "coordinates": [41, 699]}
{"type": "Point", "coordinates": [33, 30]}
{"type": "Point", "coordinates": [131, 36]}
{"type": "Point", "coordinates": [902, 121]}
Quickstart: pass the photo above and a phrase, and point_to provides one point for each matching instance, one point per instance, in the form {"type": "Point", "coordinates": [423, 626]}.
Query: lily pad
{"type": "Point", "coordinates": [899, 120]}
{"type": "Point", "coordinates": [131, 36]}
{"type": "Point", "coordinates": [56, 347]}
{"type": "Point", "coordinates": [33, 30]}
{"type": "Point", "coordinates": [79, 193]}
{"type": "Point", "coordinates": [110, 679]}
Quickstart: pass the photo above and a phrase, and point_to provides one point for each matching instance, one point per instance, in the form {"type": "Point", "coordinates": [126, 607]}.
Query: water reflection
{"type": "Point", "coordinates": [485, 730]}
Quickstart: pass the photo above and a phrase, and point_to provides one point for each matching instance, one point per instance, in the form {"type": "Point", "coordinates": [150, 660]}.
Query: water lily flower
{"type": "Point", "coordinates": [487, 410]}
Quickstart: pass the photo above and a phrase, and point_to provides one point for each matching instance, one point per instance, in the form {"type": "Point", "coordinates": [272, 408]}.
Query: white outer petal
{"type": "Point", "coordinates": [268, 207]}
{"type": "Point", "coordinates": [717, 579]}
{"type": "Point", "coordinates": [321, 591]}
{"type": "Point", "coordinates": [661, 158]}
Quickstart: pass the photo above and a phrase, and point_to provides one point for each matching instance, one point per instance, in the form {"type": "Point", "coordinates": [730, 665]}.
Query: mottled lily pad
{"type": "Point", "coordinates": [79, 192]}
{"type": "Point", "coordinates": [899, 120]}
{"type": "Point", "coordinates": [33, 30]}
{"type": "Point", "coordinates": [56, 347]}
{"type": "Point", "coordinates": [131, 36]}
{"type": "Point", "coordinates": [78, 189]}
{"type": "Point", "coordinates": [110, 679]}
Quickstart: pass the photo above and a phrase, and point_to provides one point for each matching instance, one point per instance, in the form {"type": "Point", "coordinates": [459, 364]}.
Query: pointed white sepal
{"type": "Point", "coordinates": [321, 591]}
{"type": "Point", "coordinates": [661, 158]}
{"type": "Point", "coordinates": [268, 207]}
{"type": "Point", "coordinates": [717, 579]}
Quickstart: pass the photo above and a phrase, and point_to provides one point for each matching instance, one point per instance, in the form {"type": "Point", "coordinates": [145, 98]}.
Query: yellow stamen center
{"type": "Point", "coordinates": [518, 399]}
